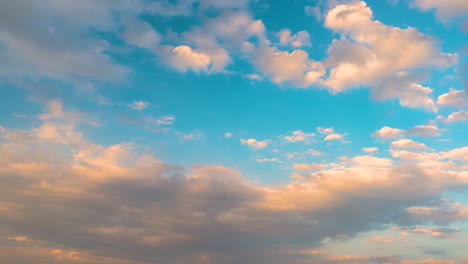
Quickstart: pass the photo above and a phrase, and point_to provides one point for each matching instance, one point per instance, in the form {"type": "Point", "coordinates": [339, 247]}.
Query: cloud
{"type": "Point", "coordinates": [435, 232]}
{"type": "Point", "coordinates": [256, 144]}
{"type": "Point", "coordinates": [424, 131]}
{"type": "Point", "coordinates": [283, 67]}
{"type": "Point", "coordinates": [195, 135]}
{"type": "Point", "coordinates": [334, 136]}
{"type": "Point", "coordinates": [314, 152]}
{"type": "Point", "coordinates": [459, 116]}
{"type": "Point", "coordinates": [228, 135]}
{"type": "Point", "coordinates": [125, 206]}
{"type": "Point", "coordinates": [454, 98]}
{"type": "Point", "coordinates": [139, 105]}
{"type": "Point", "coordinates": [445, 10]}
{"type": "Point", "coordinates": [387, 133]}
{"type": "Point", "coordinates": [254, 77]}
{"type": "Point", "coordinates": [370, 161]}
{"type": "Point", "coordinates": [369, 53]}
{"type": "Point", "coordinates": [323, 130]}
{"type": "Point", "coordinates": [268, 160]}
{"type": "Point", "coordinates": [301, 38]}
{"type": "Point", "coordinates": [63, 32]}
{"type": "Point", "coordinates": [307, 167]}
{"type": "Point", "coordinates": [370, 150]}
{"type": "Point", "coordinates": [407, 143]}
{"type": "Point", "coordinates": [300, 136]}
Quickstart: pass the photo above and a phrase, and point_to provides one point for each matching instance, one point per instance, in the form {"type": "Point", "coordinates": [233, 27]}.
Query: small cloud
{"type": "Point", "coordinates": [228, 135]}
{"type": "Point", "coordinates": [307, 167]}
{"type": "Point", "coordinates": [407, 143]}
{"type": "Point", "coordinates": [370, 150]}
{"type": "Point", "coordinates": [314, 152]}
{"type": "Point", "coordinates": [195, 135]}
{"type": "Point", "coordinates": [255, 143]}
{"type": "Point", "coordinates": [254, 76]}
{"type": "Point", "coordinates": [325, 131]}
{"type": "Point", "coordinates": [139, 105]}
{"type": "Point", "coordinates": [268, 160]}
{"type": "Point", "coordinates": [334, 136]}
{"type": "Point", "coordinates": [388, 133]}
{"type": "Point", "coordinates": [299, 135]}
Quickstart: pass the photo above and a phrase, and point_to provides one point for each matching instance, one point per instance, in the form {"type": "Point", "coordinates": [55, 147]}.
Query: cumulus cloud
{"type": "Point", "coordinates": [139, 105]}
{"type": "Point", "coordinates": [301, 38]}
{"type": "Point", "coordinates": [300, 136]}
{"type": "Point", "coordinates": [370, 52]}
{"type": "Point", "coordinates": [444, 10]}
{"type": "Point", "coordinates": [283, 67]}
{"type": "Point", "coordinates": [307, 167]}
{"type": "Point", "coordinates": [370, 150]}
{"type": "Point", "coordinates": [387, 133]}
{"type": "Point", "coordinates": [256, 144]}
{"type": "Point", "coordinates": [127, 207]}
{"type": "Point", "coordinates": [454, 98]}
{"type": "Point", "coordinates": [460, 116]}
{"type": "Point", "coordinates": [407, 143]}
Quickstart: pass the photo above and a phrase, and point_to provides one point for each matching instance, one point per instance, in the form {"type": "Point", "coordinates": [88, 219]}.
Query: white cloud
{"type": "Point", "coordinates": [419, 131]}
{"type": "Point", "coordinates": [140, 34]}
{"type": "Point", "coordinates": [285, 67]}
{"type": "Point", "coordinates": [369, 53]}
{"type": "Point", "coordinates": [454, 98]}
{"type": "Point", "coordinates": [228, 135]}
{"type": "Point", "coordinates": [334, 136]}
{"type": "Point", "coordinates": [268, 160]}
{"type": "Point", "coordinates": [459, 116]}
{"type": "Point", "coordinates": [407, 143]}
{"type": "Point", "coordinates": [139, 105]}
{"type": "Point", "coordinates": [307, 167]}
{"type": "Point", "coordinates": [370, 150]}
{"type": "Point", "coordinates": [184, 58]}
{"type": "Point", "coordinates": [195, 135]}
{"type": "Point", "coordinates": [314, 152]}
{"type": "Point", "coordinates": [388, 133]}
{"type": "Point", "coordinates": [323, 130]}
{"type": "Point", "coordinates": [301, 38]}
{"type": "Point", "coordinates": [257, 144]}
{"type": "Point", "coordinates": [299, 135]}
{"type": "Point", "coordinates": [254, 76]}
{"type": "Point", "coordinates": [446, 9]}
{"type": "Point", "coordinates": [368, 161]}
{"type": "Point", "coordinates": [424, 131]}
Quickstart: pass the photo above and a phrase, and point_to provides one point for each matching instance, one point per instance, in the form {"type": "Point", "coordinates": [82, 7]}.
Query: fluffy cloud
{"type": "Point", "coordinates": [283, 67]}
{"type": "Point", "coordinates": [62, 32]}
{"type": "Point", "coordinates": [419, 131]}
{"type": "Point", "coordinates": [444, 10]}
{"type": "Point", "coordinates": [300, 135]}
{"type": "Point", "coordinates": [323, 130]}
{"type": "Point", "coordinates": [112, 204]}
{"type": "Point", "coordinates": [459, 116]}
{"type": "Point", "coordinates": [307, 167]}
{"type": "Point", "coordinates": [334, 136]}
{"type": "Point", "coordinates": [139, 105]}
{"type": "Point", "coordinates": [370, 150]}
{"type": "Point", "coordinates": [371, 54]}
{"type": "Point", "coordinates": [301, 38]}
{"type": "Point", "coordinates": [257, 144]}
{"type": "Point", "coordinates": [387, 133]}
{"type": "Point", "coordinates": [407, 143]}
{"type": "Point", "coordinates": [455, 98]}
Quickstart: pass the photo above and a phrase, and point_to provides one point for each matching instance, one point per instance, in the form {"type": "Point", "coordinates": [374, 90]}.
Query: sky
{"type": "Point", "coordinates": [233, 131]}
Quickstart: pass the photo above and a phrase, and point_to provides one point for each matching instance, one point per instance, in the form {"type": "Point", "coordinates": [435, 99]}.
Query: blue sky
{"type": "Point", "coordinates": [251, 131]}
